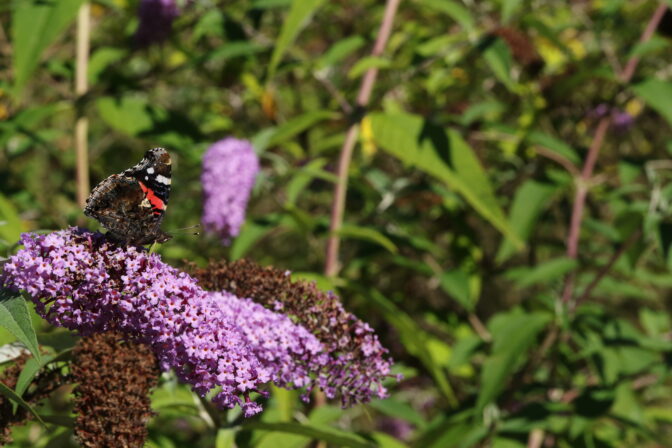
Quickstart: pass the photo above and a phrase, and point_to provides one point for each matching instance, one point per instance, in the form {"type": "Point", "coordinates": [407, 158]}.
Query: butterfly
{"type": "Point", "coordinates": [131, 204]}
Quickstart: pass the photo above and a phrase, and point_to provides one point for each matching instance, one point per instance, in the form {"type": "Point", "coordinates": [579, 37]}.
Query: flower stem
{"type": "Point", "coordinates": [81, 87]}
{"type": "Point", "coordinates": [583, 180]}
{"type": "Point", "coordinates": [332, 266]}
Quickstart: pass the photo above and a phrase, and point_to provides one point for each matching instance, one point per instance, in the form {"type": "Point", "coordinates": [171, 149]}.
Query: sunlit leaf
{"type": "Point", "coordinates": [298, 16]}
{"type": "Point", "coordinates": [513, 333]}
{"type": "Point", "coordinates": [444, 155]}
{"type": "Point", "coordinates": [658, 95]}
{"type": "Point", "coordinates": [327, 434]}
{"type": "Point", "coordinates": [15, 318]}
{"type": "Point", "coordinates": [35, 25]}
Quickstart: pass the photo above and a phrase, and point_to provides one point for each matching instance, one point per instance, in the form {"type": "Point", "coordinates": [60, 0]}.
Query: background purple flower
{"type": "Point", "coordinates": [156, 21]}
{"type": "Point", "coordinates": [230, 167]}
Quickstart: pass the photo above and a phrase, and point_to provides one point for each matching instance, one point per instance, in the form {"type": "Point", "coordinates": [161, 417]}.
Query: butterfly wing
{"type": "Point", "coordinates": [131, 205]}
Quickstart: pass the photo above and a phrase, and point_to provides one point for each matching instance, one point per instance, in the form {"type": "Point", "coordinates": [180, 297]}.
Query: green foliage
{"type": "Point", "coordinates": [461, 194]}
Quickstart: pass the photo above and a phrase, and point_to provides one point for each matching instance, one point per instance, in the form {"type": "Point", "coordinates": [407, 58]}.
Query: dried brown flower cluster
{"type": "Point", "coordinates": [348, 341]}
{"type": "Point", "coordinates": [522, 48]}
{"type": "Point", "coordinates": [113, 379]}
{"type": "Point", "coordinates": [41, 387]}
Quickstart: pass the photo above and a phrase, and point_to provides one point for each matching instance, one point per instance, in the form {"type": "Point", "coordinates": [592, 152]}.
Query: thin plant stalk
{"type": "Point", "coordinates": [332, 265]}
{"type": "Point", "coordinates": [583, 181]}
{"type": "Point", "coordinates": [81, 87]}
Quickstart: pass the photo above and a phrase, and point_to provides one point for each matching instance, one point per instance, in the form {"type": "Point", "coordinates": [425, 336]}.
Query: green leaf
{"type": "Point", "coordinates": [35, 25]}
{"type": "Point", "coordinates": [509, 8]}
{"type": "Point", "coordinates": [530, 200]}
{"type": "Point", "coordinates": [249, 234]}
{"type": "Point", "coordinates": [498, 57]}
{"type": "Point", "coordinates": [30, 369]}
{"type": "Point", "coordinates": [455, 10]}
{"type": "Point", "coordinates": [299, 14]}
{"type": "Point", "coordinates": [327, 434]}
{"type": "Point", "coordinates": [101, 60]}
{"type": "Point", "coordinates": [129, 115]}
{"type": "Point", "coordinates": [226, 438]}
{"type": "Point", "coordinates": [658, 95]}
{"type": "Point", "coordinates": [399, 409]}
{"type": "Point", "coordinates": [553, 144]}
{"type": "Point", "coordinates": [233, 50]}
{"type": "Point", "coordinates": [456, 284]}
{"type": "Point", "coordinates": [415, 339]}
{"type": "Point", "coordinates": [339, 51]}
{"type": "Point", "coordinates": [444, 155]}
{"type": "Point", "coordinates": [367, 234]}
{"type": "Point", "coordinates": [10, 221]}
{"type": "Point", "coordinates": [296, 125]}
{"type": "Point", "coordinates": [366, 63]}
{"type": "Point", "coordinates": [303, 178]}
{"type": "Point", "coordinates": [11, 395]}
{"type": "Point", "coordinates": [543, 272]}
{"type": "Point", "coordinates": [15, 317]}
{"type": "Point", "coordinates": [513, 334]}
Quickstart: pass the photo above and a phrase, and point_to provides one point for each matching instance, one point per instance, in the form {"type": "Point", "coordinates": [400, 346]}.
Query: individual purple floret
{"type": "Point", "coordinates": [81, 281]}
{"type": "Point", "coordinates": [156, 21]}
{"type": "Point", "coordinates": [230, 167]}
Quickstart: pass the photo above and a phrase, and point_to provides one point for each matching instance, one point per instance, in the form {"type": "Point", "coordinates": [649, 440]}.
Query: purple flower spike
{"type": "Point", "coordinates": [80, 281]}
{"type": "Point", "coordinates": [230, 167]}
{"type": "Point", "coordinates": [156, 21]}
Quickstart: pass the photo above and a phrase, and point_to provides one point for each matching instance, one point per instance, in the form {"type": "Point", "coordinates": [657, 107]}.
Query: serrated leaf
{"type": "Point", "coordinates": [11, 395]}
{"type": "Point", "coordinates": [444, 155]}
{"type": "Point", "coordinates": [327, 434]}
{"type": "Point", "coordinates": [298, 16]}
{"type": "Point", "coordinates": [15, 318]}
{"type": "Point", "coordinates": [35, 25]}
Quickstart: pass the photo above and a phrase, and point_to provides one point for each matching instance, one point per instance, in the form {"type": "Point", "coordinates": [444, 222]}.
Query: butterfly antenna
{"type": "Point", "coordinates": [181, 230]}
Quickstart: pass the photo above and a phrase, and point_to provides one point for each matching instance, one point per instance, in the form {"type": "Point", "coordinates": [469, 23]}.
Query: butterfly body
{"type": "Point", "coordinates": [131, 205]}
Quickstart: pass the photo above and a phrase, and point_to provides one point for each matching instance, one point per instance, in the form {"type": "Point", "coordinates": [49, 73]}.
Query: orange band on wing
{"type": "Point", "coordinates": [157, 203]}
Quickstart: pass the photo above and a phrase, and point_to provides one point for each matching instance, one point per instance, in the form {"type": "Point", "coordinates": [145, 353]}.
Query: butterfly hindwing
{"type": "Point", "coordinates": [131, 204]}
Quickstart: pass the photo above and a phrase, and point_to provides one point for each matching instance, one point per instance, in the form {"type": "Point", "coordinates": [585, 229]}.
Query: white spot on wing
{"type": "Point", "coordinates": [150, 170]}
{"type": "Point", "coordinates": [163, 180]}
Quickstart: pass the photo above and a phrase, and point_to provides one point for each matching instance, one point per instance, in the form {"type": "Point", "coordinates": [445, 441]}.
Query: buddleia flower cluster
{"type": "Point", "coordinates": [230, 168]}
{"type": "Point", "coordinates": [81, 281]}
{"type": "Point", "coordinates": [357, 359]}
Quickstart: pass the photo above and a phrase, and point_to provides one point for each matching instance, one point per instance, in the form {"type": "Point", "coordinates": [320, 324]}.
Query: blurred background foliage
{"type": "Point", "coordinates": [460, 197]}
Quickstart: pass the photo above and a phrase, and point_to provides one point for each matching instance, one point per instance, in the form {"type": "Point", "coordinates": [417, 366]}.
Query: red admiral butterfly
{"type": "Point", "coordinates": [131, 204]}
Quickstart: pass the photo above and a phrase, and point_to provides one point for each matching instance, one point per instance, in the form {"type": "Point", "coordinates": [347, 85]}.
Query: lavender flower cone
{"type": "Point", "coordinates": [230, 167]}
